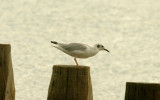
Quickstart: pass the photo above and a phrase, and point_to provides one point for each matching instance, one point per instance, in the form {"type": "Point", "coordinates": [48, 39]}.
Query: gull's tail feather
{"type": "Point", "coordinates": [54, 42]}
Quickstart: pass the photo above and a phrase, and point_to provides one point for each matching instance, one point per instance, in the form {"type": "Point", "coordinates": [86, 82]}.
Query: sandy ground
{"type": "Point", "coordinates": [130, 29]}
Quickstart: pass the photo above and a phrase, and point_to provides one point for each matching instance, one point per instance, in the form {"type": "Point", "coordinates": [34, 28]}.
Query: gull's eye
{"type": "Point", "coordinates": [98, 46]}
{"type": "Point", "coordinates": [102, 46]}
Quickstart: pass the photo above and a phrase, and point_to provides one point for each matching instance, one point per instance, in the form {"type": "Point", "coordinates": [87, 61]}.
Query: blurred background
{"type": "Point", "coordinates": [130, 29]}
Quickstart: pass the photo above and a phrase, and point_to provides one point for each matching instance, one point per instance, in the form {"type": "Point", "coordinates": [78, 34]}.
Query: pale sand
{"type": "Point", "coordinates": [130, 29]}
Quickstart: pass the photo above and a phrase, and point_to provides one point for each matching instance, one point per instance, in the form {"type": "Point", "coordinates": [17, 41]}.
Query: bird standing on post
{"type": "Point", "coordinates": [79, 50]}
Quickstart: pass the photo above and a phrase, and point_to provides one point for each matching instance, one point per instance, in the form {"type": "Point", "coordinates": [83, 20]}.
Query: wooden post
{"type": "Point", "coordinates": [70, 82]}
{"type": "Point", "coordinates": [7, 89]}
{"type": "Point", "coordinates": [142, 91]}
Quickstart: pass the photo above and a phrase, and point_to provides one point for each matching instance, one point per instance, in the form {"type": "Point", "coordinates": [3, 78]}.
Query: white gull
{"type": "Point", "coordinates": [79, 50]}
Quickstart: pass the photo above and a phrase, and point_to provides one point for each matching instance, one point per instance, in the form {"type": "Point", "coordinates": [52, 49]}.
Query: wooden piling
{"type": "Point", "coordinates": [142, 91]}
{"type": "Point", "coordinates": [7, 89]}
{"type": "Point", "coordinates": [70, 82]}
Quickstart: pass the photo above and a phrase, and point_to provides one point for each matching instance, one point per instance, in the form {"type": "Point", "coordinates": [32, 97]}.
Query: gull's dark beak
{"type": "Point", "coordinates": [106, 50]}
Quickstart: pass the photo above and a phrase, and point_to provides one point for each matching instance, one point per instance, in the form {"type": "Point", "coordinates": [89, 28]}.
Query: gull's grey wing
{"type": "Point", "coordinates": [73, 46]}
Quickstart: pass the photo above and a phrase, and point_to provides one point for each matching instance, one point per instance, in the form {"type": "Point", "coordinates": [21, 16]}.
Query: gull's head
{"type": "Point", "coordinates": [100, 47]}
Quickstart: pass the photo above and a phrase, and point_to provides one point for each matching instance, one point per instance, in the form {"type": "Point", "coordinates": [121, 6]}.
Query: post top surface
{"type": "Point", "coordinates": [71, 66]}
{"type": "Point", "coordinates": [142, 83]}
{"type": "Point", "coordinates": [4, 44]}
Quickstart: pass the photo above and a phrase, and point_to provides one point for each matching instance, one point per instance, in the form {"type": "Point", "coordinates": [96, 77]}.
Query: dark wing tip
{"type": "Point", "coordinates": [54, 42]}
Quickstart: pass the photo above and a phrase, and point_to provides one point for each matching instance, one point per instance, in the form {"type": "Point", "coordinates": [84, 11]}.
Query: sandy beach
{"type": "Point", "coordinates": [130, 30]}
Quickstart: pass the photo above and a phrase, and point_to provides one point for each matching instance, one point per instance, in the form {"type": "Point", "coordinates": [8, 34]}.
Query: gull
{"type": "Point", "coordinates": [79, 50]}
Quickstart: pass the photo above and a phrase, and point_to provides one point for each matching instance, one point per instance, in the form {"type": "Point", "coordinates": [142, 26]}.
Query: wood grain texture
{"type": "Point", "coordinates": [7, 89]}
{"type": "Point", "coordinates": [70, 83]}
{"type": "Point", "coordinates": [142, 91]}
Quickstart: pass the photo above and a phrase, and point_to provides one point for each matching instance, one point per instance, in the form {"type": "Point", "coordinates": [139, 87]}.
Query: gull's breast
{"type": "Point", "coordinates": [81, 54]}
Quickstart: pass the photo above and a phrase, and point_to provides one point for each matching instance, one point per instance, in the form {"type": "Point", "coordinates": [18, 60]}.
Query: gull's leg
{"type": "Point", "coordinates": [76, 61]}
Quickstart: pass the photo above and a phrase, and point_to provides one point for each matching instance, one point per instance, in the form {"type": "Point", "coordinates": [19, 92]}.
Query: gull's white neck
{"type": "Point", "coordinates": [93, 51]}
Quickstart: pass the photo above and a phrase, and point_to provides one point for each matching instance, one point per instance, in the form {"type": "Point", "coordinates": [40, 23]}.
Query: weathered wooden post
{"type": "Point", "coordinates": [70, 82]}
{"type": "Point", "coordinates": [7, 89]}
{"type": "Point", "coordinates": [142, 91]}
